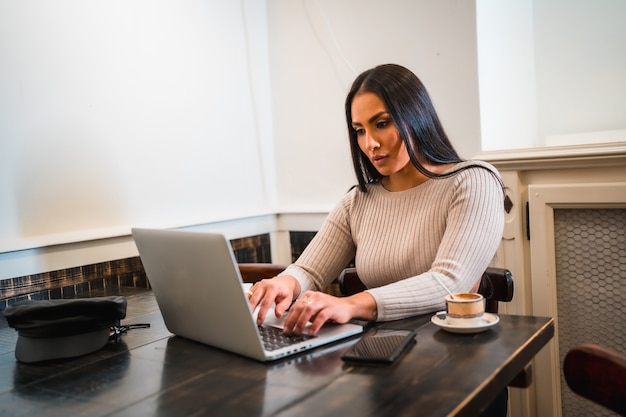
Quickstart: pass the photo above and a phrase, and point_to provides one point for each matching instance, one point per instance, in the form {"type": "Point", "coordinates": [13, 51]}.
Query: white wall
{"type": "Point", "coordinates": [506, 68]}
{"type": "Point", "coordinates": [123, 113]}
{"type": "Point", "coordinates": [581, 66]}
{"type": "Point", "coordinates": [317, 47]}
{"type": "Point", "coordinates": [551, 72]}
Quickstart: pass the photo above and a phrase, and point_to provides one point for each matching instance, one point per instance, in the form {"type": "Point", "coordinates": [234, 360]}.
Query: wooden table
{"type": "Point", "coordinates": [153, 373]}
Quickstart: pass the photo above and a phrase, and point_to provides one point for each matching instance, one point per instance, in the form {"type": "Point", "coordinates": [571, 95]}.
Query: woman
{"type": "Point", "coordinates": [419, 214]}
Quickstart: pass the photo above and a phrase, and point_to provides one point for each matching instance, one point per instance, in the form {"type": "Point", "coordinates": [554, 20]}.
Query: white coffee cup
{"type": "Point", "coordinates": [465, 308]}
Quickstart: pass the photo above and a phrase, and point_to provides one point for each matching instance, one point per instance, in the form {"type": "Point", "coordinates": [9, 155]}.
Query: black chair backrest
{"type": "Point", "coordinates": [496, 285]}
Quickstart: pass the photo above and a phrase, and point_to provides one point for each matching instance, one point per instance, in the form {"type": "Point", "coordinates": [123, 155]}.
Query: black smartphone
{"type": "Point", "coordinates": [380, 346]}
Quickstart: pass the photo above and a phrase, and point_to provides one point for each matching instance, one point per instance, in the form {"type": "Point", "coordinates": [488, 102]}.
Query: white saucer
{"type": "Point", "coordinates": [488, 320]}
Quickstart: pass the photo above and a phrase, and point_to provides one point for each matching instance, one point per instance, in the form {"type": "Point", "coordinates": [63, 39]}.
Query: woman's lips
{"type": "Point", "coordinates": [378, 159]}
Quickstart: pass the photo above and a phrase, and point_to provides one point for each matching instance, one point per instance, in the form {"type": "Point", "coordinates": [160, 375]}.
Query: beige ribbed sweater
{"type": "Point", "coordinates": [448, 227]}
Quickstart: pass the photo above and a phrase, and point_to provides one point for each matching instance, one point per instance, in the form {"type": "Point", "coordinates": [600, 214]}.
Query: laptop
{"type": "Point", "coordinates": [198, 288]}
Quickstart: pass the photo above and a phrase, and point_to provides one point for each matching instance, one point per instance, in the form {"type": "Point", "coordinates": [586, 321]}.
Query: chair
{"type": "Point", "coordinates": [496, 285]}
{"type": "Point", "coordinates": [598, 374]}
{"type": "Point", "coordinates": [253, 272]}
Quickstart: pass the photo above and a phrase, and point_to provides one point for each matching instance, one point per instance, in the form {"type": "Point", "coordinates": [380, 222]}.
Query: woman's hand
{"type": "Point", "coordinates": [280, 290]}
{"type": "Point", "coordinates": [318, 308]}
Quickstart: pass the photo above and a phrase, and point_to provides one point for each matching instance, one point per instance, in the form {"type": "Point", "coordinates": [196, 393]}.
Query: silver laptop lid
{"type": "Point", "coordinates": [198, 288]}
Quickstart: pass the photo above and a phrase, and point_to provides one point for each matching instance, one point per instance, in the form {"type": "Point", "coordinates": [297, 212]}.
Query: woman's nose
{"type": "Point", "coordinates": [371, 143]}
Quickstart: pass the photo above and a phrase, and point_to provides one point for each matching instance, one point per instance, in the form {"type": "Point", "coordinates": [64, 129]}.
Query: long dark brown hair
{"type": "Point", "coordinates": [413, 113]}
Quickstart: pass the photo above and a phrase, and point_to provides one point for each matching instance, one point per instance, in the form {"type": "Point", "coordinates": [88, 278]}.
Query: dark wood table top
{"type": "Point", "coordinates": [150, 373]}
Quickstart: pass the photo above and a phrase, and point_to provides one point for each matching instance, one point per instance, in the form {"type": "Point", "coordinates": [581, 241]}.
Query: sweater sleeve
{"type": "Point", "coordinates": [474, 225]}
{"type": "Point", "coordinates": [329, 252]}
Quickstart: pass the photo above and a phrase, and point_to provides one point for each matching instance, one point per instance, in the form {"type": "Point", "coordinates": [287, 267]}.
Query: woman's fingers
{"type": "Point", "coordinates": [310, 312]}
{"type": "Point", "coordinates": [299, 315]}
{"type": "Point", "coordinates": [307, 315]}
{"type": "Point", "coordinates": [268, 293]}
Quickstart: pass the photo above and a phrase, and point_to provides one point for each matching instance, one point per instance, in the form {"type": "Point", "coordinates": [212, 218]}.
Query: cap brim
{"type": "Point", "coordinates": [39, 349]}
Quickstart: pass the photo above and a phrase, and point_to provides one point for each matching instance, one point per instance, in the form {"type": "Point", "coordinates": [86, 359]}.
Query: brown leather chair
{"type": "Point", "coordinates": [253, 272]}
{"type": "Point", "coordinates": [598, 374]}
{"type": "Point", "coordinates": [496, 285]}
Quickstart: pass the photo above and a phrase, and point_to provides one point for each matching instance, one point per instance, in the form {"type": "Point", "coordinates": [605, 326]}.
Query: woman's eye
{"type": "Point", "coordinates": [382, 123]}
{"type": "Point", "coordinates": [359, 131]}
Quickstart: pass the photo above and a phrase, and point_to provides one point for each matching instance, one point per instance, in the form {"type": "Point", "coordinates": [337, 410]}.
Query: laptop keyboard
{"type": "Point", "coordinates": [274, 338]}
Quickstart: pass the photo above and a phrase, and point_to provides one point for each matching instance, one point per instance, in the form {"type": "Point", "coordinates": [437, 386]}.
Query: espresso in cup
{"type": "Point", "coordinates": [465, 308]}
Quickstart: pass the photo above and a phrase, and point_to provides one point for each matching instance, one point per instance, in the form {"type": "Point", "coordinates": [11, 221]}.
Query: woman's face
{"type": "Point", "coordinates": [377, 135]}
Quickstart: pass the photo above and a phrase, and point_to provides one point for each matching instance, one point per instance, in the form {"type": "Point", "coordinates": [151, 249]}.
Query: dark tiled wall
{"type": "Point", "coordinates": [252, 249]}
{"type": "Point", "coordinates": [299, 241]}
{"type": "Point", "coordinates": [73, 282]}
{"type": "Point", "coordinates": [129, 272]}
